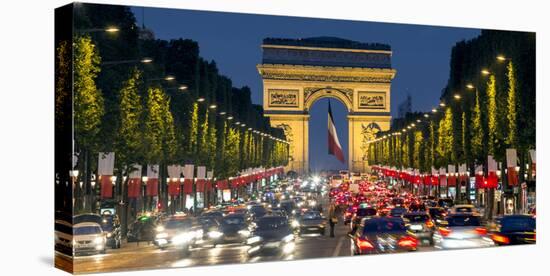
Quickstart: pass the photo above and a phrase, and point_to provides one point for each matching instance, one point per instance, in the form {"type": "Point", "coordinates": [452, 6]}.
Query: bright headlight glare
{"type": "Point", "coordinates": [295, 223]}
{"type": "Point", "coordinates": [109, 235]}
{"type": "Point", "coordinates": [160, 228]}
{"type": "Point", "coordinates": [288, 238]}
{"type": "Point", "coordinates": [182, 238]}
{"type": "Point", "coordinates": [98, 240]}
{"type": "Point", "coordinates": [215, 234]}
{"type": "Point", "coordinates": [244, 233]}
{"type": "Point", "coordinates": [161, 236]}
{"type": "Point", "coordinates": [254, 239]}
{"type": "Point", "coordinates": [289, 247]}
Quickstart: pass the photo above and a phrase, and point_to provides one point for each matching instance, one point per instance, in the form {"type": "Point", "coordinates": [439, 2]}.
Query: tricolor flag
{"type": "Point", "coordinates": [334, 147]}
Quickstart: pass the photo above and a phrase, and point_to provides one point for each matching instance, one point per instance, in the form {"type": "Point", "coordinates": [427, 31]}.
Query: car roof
{"type": "Point", "coordinates": [464, 205]}
{"type": "Point", "coordinates": [86, 224]}
{"type": "Point", "coordinates": [415, 213]}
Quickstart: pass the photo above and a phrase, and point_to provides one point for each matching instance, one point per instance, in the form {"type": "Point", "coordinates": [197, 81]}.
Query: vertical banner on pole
{"type": "Point", "coordinates": [188, 174]}
{"type": "Point", "coordinates": [480, 181]}
{"type": "Point", "coordinates": [134, 182]}
{"type": "Point", "coordinates": [201, 175]}
{"type": "Point", "coordinates": [492, 178]}
{"type": "Point", "coordinates": [442, 177]}
{"type": "Point", "coordinates": [105, 169]}
{"type": "Point", "coordinates": [512, 162]}
{"type": "Point", "coordinates": [451, 181]}
{"type": "Point", "coordinates": [152, 180]}
{"type": "Point", "coordinates": [210, 178]}
{"type": "Point", "coordinates": [174, 172]}
{"type": "Point", "coordinates": [533, 156]}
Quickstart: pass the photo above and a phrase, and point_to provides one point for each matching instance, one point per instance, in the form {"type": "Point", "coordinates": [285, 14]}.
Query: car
{"type": "Point", "coordinates": [312, 222]}
{"type": "Point", "coordinates": [421, 226]}
{"type": "Point", "coordinates": [63, 236]}
{"type": "Point", "coordinates": [463, 230]}
{"type": "Point", "coordinates": [513, 229]}
{"type": "Point", "coordinates": [88, 237]}
{"type": "Point", "coordinates": [143, 229]}
{"type": "Point", "coordinates": [289, 206]}
{"type": "Point", "coordinates": [348, 214]}
{"type": "Point", "coordinates": [256, 211]}
{"type": "Point", "coordinates": [271, 235]}
{"type": "Point", "coordinates": [364, 211]}
{"type": "Point", "coordinates": [463, 208]}
{"type": "Point", "coordinates": [382, 235]}
{"type": "Point", "coordinates": [178, 231]}
{"type": "Point", "coordinates": [233, 228]}
{"type": "Point", "coordinates": [109, 224]}
{"type": "Point", "coordinates": [397, 212]}
{"type": "Point", "coordinates": [437, 214]}
{"type": "Point", "coordinates": [445, 203]}
{"type": "Point", "coordinates": [417, 206]}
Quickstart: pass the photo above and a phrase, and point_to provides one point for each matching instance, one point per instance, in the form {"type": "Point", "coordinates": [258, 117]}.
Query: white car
{"type": "Point", "coordinates": [64, 237]}
{"type": "Point", "coordinates": [461, 231]}
{"type": "Point", "coordinates": [88, 237]}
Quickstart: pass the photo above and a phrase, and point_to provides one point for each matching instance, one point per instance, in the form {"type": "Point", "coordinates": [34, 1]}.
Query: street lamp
{"type": "Point", "coordinates": [146, 60]}
{"type": "Point", "coordinates": [502, 58]}
{"type": "Point", "coordinates": [200, 100]}
{"type": "Point", "coordinates": [230, 118]}
{"type": "Point", "coordinates": [442, 104]}
{"type": "Point", "coordinates": [457, 96]}
{"type": "Point", "coordinates": [222, 113]}
{"type": "Point", "coordinates": [112, 29]}
{"type": "Point", "coordinates": [470, 86]}
{"type": "Point", "coordinates": [485, 72]}
{"type": "Point", "coordinates": [434, 110]}
{"type": "Point", "coordinates": [182, 87]}
{"type": "Point", "coordinates": [169, 78]}
{"type": "Point", "coordinates": [426, 115]}
{"type": "Point", "coordinates": [213, 106]}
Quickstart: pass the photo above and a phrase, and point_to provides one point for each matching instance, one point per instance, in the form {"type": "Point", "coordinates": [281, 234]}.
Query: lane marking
{"type": "Point", "coordinates": [338, 247]}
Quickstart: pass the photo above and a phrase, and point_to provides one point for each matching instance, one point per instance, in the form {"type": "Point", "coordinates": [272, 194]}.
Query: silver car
{"type": "Point", "coordinates": [88, 238]}
{"type": "Point", "coordinates": [461, 231]}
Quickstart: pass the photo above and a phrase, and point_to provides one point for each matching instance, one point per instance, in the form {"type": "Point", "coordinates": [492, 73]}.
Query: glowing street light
{"type": "Point", "coordinates": [457, 96]}
{"type": "Point", "coordinates": [146, 60]}
{"type": "Point", "coordinates": [230, 118]}
{"type": "Point", "coordinates": [222, 113]}
{"type": "Point", "coordinates": [112, 29]}
{"type": "Point", "coordinates": [169, 78]}
{"type": "Point", "coordinates": [485, 72]}
{"type": "Point", "coordinates": [470, 86]}
{"type": "Point", "coordinates": [501, 58]}
{"type": "Point", "coordinates": [200, 100]}
{"type": "Point", "coordinates": [213, 106]}
{"type": "Point", "coordinates": [426, 115]}
{"type": "Point", "coordinates": [183, 87]}
{"type": "Point", "coordinates": [434, 110]}
{"type": "Point", "coordinates": [442, 104]}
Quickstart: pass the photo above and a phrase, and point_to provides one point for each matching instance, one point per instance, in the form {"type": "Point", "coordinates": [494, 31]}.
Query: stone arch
{"type": "Point", "coordinates": [313, 96]}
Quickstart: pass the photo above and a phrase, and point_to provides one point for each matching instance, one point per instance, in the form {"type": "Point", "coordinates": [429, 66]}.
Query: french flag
{"type": "Point", "coordinates": [334, 147]}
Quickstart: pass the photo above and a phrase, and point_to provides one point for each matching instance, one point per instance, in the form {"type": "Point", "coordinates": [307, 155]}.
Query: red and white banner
{"type": "Point", "coordinates": [334, 147]}
{"type": "Point", "coordinates": [442, 177]}
{"type": "Point", "coordinates": [188, 174]}
{"type": "Point", "coordinates": [533, 155]}
{"type": "Point", "coordinates": [492, 178]}
{"type": "Point", "coordinates": [512, 163]}
{"type": "Point", "coordinates": [451, 178]}
{"type": "Point", "coordinates": [134, 181]}
{"type": "Point", "coordinates": [480, 179]}
{"type": "Point", "coordinates": [105, 169]}
{"type": "Point", "coordinates": [152, 180]}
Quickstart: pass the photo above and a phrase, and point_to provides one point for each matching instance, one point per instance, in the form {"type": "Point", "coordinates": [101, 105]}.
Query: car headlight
{"type": "Point", "coordinates": [161, 236]}
{"type": "Point", "coordinates": [245, 233]}
{"type": "Point", "coordinates": [215, 234]}
{"type": "Point", "coordinates": [182, 238]}
{"type": "Point", "coordinates": [109, 235]}
{"type": "Point", "coordinates": [199, 233]}
{"type": "Point", "coordinates": [254, 239]}
{"type": "Point", "coordinates": [288, 238]}
{"type": "Point", "coordinates": [295, 223]}
{"type": "Point", "coordinates": [160, 228]}
{"type": "Point", "coordinates": [98, 240]}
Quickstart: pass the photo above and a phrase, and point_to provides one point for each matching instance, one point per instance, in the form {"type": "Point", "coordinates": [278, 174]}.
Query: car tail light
{"type": "Point", "coordinates": [481, 231]}
{"type": "Point", "coordinates": [500, 239]}
{"type": "Point", "coordinates": [429, 224]}
{"type": "Point", "coordinates": [444, 232]}
{"type": "Point", "coordinates": [407, 242]}
{"type": "Point", "coordinates": [364, 244]}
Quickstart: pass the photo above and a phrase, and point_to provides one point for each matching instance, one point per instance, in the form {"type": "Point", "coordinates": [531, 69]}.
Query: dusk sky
{"type": "Point", "coordinates": [421, 56]}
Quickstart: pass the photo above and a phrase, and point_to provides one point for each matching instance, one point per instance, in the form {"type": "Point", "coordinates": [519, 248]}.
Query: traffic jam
{"type": "Point", "coordinates": [362, 210]}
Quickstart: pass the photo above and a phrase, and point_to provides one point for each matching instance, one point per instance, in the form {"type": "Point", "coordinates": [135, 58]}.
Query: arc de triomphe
{"type": "Point", "coordinates": [298, 72]}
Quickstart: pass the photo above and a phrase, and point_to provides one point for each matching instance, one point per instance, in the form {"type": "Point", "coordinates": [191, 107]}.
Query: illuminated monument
{"type": "Point", "coordinates": [298, 72]}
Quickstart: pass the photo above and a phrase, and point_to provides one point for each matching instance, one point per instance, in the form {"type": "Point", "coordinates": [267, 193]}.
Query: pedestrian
{"type": "Point", "coordinates": [332, 218]}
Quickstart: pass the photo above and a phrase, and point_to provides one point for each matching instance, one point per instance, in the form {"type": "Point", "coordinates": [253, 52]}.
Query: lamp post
{"type": "Point", "coordinates": [145, 198]}
{"type": "Point", "coordinates": [74, 177]}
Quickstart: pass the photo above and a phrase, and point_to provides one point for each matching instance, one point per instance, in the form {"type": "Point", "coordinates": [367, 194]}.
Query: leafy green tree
{"type": "Point", "coordinates": [491, 114]}
{"type": "Point", "coordinates": [477, 130]}
{"type": "Point", "coordinates": [512, 114]}
{"type": "Point", "coordinates": [446, 138]}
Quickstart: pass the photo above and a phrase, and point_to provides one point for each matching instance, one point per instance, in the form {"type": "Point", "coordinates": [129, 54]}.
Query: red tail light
{"type": "Point", "coordinates": [407, 242]}
{"type": "Point", "coordinates": [444, 232]}
{"type": "Point", "coordinates": [429, 224]}
{"type": "Point", "coordinates": [481, 231]}
{"type": "Point", "coordinates": [364, 244]}
{"type": "Point", "coordinates": [500, 239]}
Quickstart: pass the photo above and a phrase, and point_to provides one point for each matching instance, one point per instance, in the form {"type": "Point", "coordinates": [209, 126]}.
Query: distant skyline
{"type": "Point", "coordinates": [421, 56]}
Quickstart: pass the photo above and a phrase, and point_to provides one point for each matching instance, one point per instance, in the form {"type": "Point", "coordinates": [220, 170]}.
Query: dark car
{"type": "Point", "coordinates": [233, 228]}
{"type": "Point", "coordinates": [109, 224]}
{"type": "Point", "coordinates": [421, 226]}
{"type": "Point", "coordinates": [271, 234]}
{"type": "Point", "coordinates": [211, 214]}
{"type": "Point", "coordinates": [445, 203]}
{"type": "Point", "coordinates": [178, 231]}
{"type": "Point", "coordinates": [437, 214]}
{"type": "Point", "coordinates": [382, 235]}
{"type": "Point", "coordinates": [143, 229]}
{"type": "Point", "coordinates": [256, 211]}
{"type": "Point", "coordinates": [348, 214]}
{"type": "Point", "coordinates": [513, 229]}
{"type": "Point", "coordinates": [397, 212]}
{"type": "Point", "coordinates": [289, 206]}
{"type": "Point", "coordinates": [312, 222]}
{"type": "Point", "coordinates": [417, 207]}
{"type": "Point", "coordinates": [362, 212]}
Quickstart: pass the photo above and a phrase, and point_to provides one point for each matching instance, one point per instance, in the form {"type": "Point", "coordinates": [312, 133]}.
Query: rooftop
{"type": "Point", "coordinates": [326, 42]}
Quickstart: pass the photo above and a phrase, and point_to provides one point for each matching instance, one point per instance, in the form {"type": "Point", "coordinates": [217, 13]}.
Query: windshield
{"type": "Point", "coordinates": [464, 209]}
{"type": "Point", "coordinates": [273, 223]}
{"type": "Point", "coordinates": [87, 230]}
{"type": "Point", "coordinates": [377, 225]}
{"type": "Point", "coordinates": [518, 224]}
{"type": "Point", "coordinates": [416, 218]}
{"type": "Point", "coordinates": [366, 212]}
{"type": "Point", "coordinates": [395, 211]}
{"type": "Point", "coordinates": [464, 221]}
{"type": "Point", "coordinates": [233, 220]}
{"type": "Point", "coordinates": [312, 215]}
{"type": "Point", "coordinates": [177, 223]}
